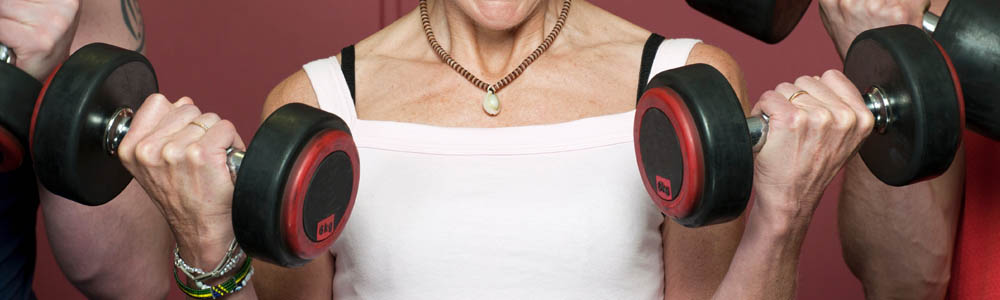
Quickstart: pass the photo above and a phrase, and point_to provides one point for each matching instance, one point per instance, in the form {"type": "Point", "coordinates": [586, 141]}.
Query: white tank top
{"type": "Point", "coordinates": [530, 212]}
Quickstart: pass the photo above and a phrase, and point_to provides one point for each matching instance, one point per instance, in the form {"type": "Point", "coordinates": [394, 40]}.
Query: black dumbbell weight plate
{"type": "Point", "coordinates": [925, 124]}
{"type": "Point", "coordinates": [11, 151]}
{"type": "Point", "coordinates": [18, 90]}
{"type": "Point", "coordinates": [968, 32]}
{"type": "Point", "coordinates": [767, 20]}
{"type": "Point", "coordinates": [74, 109]}
{"type": "Point", "coordinates": [693, 147]}
{"type": "Point", "coordinates": [296, 186]}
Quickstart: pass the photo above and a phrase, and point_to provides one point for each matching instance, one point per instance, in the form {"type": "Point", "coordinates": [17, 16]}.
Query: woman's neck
{"type": "Point", "coordinates": [490, 53]}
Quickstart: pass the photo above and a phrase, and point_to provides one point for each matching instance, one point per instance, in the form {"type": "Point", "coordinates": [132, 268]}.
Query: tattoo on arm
{"type": "Point", "coordinates": [133, 21]}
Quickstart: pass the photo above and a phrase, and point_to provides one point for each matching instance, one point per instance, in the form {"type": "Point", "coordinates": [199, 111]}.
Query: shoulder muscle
{"type": "Point", "coordinates": [295, 88]}
{"type": "Point", "coordinates": [722, 61]}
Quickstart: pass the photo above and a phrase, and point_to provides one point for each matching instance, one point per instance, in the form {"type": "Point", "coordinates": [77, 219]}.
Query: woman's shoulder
{"type": "Point", "coordinates": [294, 88]}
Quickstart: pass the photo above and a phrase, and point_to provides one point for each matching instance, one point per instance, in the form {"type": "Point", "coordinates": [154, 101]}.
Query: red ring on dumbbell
{"type": "Point", "coordinates": [11, 150]}
{"type": "Point", "coordinates": [318, 148]}
{"type": "Point", "coordinates": [672, 105]}
{"type": "Point", "coordinates": [38, 105]}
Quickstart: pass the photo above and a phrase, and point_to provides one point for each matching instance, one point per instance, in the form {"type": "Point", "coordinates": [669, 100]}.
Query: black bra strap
{"type": "Point", "coordinates": [648, 55]}
{"type": "Point", "coordinates": [347, 66]}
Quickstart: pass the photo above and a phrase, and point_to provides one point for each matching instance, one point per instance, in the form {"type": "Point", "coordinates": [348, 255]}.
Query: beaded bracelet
{"type": "Point", "coordinates": [230, 286]}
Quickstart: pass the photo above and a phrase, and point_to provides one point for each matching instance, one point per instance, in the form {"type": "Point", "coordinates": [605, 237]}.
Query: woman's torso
{"type": "Point", "coordinates": [547, 211]}
{"type": "Point", "coordinates": [543, 201]}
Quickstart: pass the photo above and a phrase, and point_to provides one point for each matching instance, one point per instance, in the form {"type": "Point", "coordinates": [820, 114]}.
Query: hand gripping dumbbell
{"type": "Point", "coordinates": [695, 149]}
{"type": "Point", "coordinates": [16, 86]}
{"type": "Point", "coordinates": [294, 187]}
{"type": "Point", "coordinates": [968, 31]}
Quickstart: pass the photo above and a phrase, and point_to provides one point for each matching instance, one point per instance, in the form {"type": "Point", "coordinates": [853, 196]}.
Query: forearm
{"type": "Point", "coordinates": [120, 250]}
{"type": "Point", "coordinates": [898, 240]}
{"type": "Point", "coordinates": [766, 261]}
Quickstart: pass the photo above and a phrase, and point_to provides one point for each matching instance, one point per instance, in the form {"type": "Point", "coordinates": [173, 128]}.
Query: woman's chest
{"type": "Point", "coordinates": [486, 222]}
{"type": "Point", "coordinates": [554, 91]}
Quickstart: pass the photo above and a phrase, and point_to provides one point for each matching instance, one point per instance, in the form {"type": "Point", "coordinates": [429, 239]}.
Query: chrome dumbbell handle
{"type": "Point", "coordinates": [119, 125]}
{"type": "Point", "coordinates": [7, 55]}
{"type": "Point", "coordinates": [930, 21]}
{"type": "Point", "coordinates": [875, 99]}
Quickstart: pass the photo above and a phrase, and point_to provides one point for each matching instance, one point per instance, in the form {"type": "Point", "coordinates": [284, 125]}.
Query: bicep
{"type": "Point", "coordinates": [900, 239]}
{"type": "Point", "coordinates": [115, 22]}
{"type": "Point", "coordinates": [697, 259]}
{"type": "Point", "coordinates": [99, 247]}
{"type": "Point", "coordinates": [314, 280]}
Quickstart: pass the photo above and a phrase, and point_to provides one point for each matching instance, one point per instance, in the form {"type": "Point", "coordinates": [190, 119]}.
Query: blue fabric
{"type": "Point", "coordinates": [18, 208]}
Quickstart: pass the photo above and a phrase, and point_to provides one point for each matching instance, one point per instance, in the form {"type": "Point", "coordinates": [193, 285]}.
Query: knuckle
{"type": "Point", "coordinates": [147, 153]}
{"type": "Point", "coordinates": [195, 153]}
{"type": "Point", "coordinates": [802, 80]}
{"type": "Point", "coordinates": [821, 118]}
{"type": "Point", "coordinates": [226, 125]}
{"type": "Point", "coordinates": [158, 97]}
{"type": "Point", "coordinates": [189, 109]}
{"type": "Point", "coordinates": [786, 85]}
{"type": "Point", "coordinates": [830, 74]}
{"type": "Point", "coordinates": [873, 6]}
{"type": "Point", "coordinates": [846, 119]}
{"type": "Point", "coordinates": [799, 119]}
{"type": "Point", "coordinates": [866, 122]}
{"type": "Point", "coordinates": [172, 153]}
{"type": "Point", "coordinates": [211, 116]}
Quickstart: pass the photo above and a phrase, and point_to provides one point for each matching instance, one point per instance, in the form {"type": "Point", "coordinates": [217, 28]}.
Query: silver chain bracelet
{"type": "Point", "coordinates": [227, 264]}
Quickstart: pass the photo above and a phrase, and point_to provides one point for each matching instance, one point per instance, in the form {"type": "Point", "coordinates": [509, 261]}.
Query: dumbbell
{"type": "Point", "coordinates": [16, 87]}
{"type": "Point", "coordinates": [766, 20]}
{"type": "Point", "coordinates": [967, 30]}
{"type": "Point", "coordinates": [694, 147]}
{"type": "Point", "coordinates": [294, 187]}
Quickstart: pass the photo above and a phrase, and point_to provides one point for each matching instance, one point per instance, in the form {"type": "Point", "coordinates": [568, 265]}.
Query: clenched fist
{"type": "Point", "coordinates": [845, 19]}
{"type": "Point", "coordinates": [809, 141]}
{"type": "Point", "coordinates": [39, 32]}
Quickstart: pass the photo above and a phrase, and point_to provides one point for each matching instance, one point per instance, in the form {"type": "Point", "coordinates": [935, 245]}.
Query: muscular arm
{"type": "Point", "coordinates": [115, 22]}
{"type": "Point", "coordinates": [696, 259]}
{"type": "Point", "coordinates": [314, 280]}
{"type": "Point", "coordinates": [125, 243]}
{"type": "Point", "coordinates": [898, 240]}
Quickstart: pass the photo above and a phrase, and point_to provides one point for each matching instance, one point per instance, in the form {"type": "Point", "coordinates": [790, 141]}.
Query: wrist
{"type": "Point", "coordinates": [778, 214]}
{"type": "Point", "coordinates": [205, 251]}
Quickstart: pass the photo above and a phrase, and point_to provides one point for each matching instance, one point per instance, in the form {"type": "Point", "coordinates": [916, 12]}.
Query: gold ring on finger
{"type": "Point", "coordinates": [796, 94]}
{"type": "Point", "coordinates": [199, 124]}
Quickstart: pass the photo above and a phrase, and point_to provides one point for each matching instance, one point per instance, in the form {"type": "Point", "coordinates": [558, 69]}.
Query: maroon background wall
{"type": "Point", "coordinates": [227, 57]}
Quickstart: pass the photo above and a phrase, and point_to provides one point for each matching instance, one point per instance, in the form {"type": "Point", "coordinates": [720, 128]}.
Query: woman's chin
{"type": "Point", "coordinates": [501, 14]}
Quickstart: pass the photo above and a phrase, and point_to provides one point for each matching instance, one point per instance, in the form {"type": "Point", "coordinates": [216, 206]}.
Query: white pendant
{"type": "Point", "coordinates": [491, 104]}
